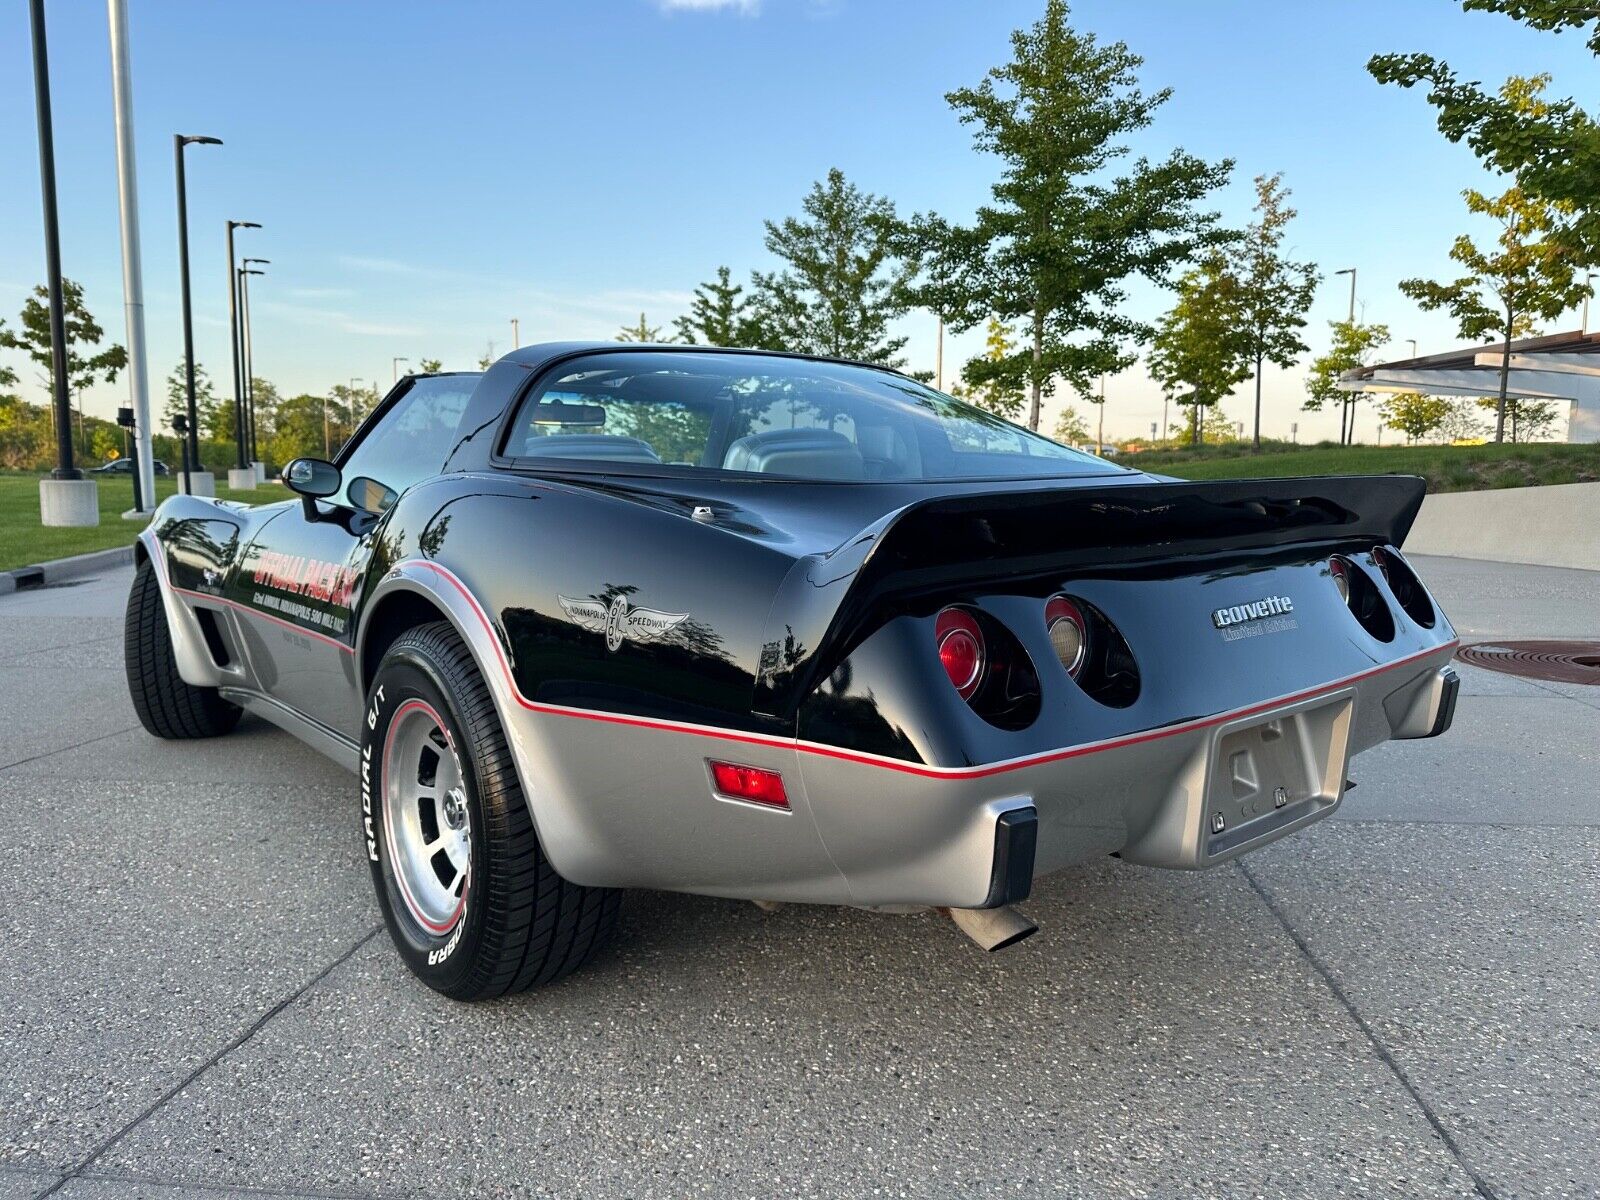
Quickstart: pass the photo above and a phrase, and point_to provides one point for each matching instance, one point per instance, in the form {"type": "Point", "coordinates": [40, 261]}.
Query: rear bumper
{"type": "Point", "coordinates": [1185, 798]}
{"type": "Point", "coordinates": [622, 803]}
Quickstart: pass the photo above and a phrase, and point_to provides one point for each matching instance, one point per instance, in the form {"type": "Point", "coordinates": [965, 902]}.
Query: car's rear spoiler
{"type": "Point", "coordinates": [959, 540]}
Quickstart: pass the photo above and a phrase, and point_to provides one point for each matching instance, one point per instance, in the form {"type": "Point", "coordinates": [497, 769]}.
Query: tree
{"type": "Point", "coordinates": [431, 366]}
{"type": "Point", "coordinates": [267, 399]}
{"type": "Point", "coordinates": [642, 332]}
{"type": "Point", "coordinates": [1198, 353]}
{"type": "Point", "coordinates": [1552, 148]}
{"type": "Point", "coordinates": [1414, 414]}
{"type": "Point", "coordinates": [1071, 428]}
{"type": "Point", "coordinates": [297, 429]}
{"type": "Point", "coordinates": [1531, 275]}
{"type": "Point", "coordinates": [487, 359]}
{"type": "Point", "coordinates": [215, 415]}
{"type": "Point", "coordinates": [1460, 422]}
{"type": "Point", "coordinates": [84, 362]}
{"type": "Point", "coordinates": [1528, 420]}
{"type": "Point", "coordinates": [988, 387]}
{"type": "Point", "coordinates": [1063, 236]}
{"type": "Point", "coordinates": [1275, 293]}
{"type": "Point", "coordinates": [1353, 347]}
{"type": "Point", "coordinates": [841, 283]}
{"type": "Point", "coordinates": [716, 314]}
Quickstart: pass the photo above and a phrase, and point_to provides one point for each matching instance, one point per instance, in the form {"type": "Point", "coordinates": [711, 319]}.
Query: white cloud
{"type": "Point", "coordinates": [747, 7]}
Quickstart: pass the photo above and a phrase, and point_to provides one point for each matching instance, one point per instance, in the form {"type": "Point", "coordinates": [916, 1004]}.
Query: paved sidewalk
{"type": "Point", "coordinates": [199, 1000]}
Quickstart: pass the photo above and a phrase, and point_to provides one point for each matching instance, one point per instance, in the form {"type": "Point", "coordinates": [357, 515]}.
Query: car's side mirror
{"type": "Point", "coordinates": [312, 479]}
{"type": "Point", "coordinates": [369, 495]}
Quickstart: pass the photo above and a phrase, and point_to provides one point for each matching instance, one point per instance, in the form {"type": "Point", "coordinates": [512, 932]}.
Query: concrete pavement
{"type": "Point", "coordinates": [200, 1001]}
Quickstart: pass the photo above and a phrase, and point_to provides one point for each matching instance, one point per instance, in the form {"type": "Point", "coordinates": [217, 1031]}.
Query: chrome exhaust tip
{"type": "Point", "coordinates": [992, 928]}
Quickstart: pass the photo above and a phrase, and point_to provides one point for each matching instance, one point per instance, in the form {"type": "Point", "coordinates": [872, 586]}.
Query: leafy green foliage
{"type": "Point", "coordinates": [841, 284]}
{"type": "Point", "coordinates": [717, 315]}
{"type": "Point", "coordinates": [214, 414]}
{"type": "Point", "coordinates": [1071, 428]}
{"type": "Point", "coordinates": [85, 363]}
{"type": "Point", "coordinates": [642, 332]}
{"type": "Point", "coordinates": [1274, 292]}
{"type": "Point", "coordinates": [1414, 414]}
{"type": "Point", "coordinates": [1063, 235]}
{"type": "Point", "coordinates": [1552, 148]}
{"type": "Point", "coordinates": [992, 381]}
{"type": "Point", "coordinates": [1198, 353]}
{"type": "Point", "coordinates": [1530, 275]}
{"type": "Point", "coordinates": [1353, 346]}
{"type": "Point", "coordinates": [430, 366]}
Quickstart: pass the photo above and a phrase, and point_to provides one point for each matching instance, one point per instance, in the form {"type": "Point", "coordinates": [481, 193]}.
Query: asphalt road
{"type": "Point", "coordinates": [199, 1002]}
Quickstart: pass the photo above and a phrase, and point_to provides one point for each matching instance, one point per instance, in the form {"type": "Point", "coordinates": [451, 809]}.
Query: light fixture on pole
{"type": "Point", "coordinates": [1583, 325]}
{"type": "Point", "coordinates": [1413, 342]}
{"type": "Point", "coordinates": [516, 333]}
{"type": "Point", "coordinates": [1351, 271]}
{"type": "Point", "coordinates": [179, 141]}
{"type": "Point", "coordinates": [397, 363]}
{"type": "Point", "coordinates": [237, 336]}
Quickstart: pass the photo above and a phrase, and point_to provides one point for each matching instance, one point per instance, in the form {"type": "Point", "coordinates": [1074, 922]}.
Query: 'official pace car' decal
{"type": "Point", "coordinates": [1266, 615]}
{"type": "Point", "coordinates": [619, 622]}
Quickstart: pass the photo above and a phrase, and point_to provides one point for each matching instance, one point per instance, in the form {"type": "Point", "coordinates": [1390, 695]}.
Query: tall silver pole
{"type": "Point", "coordinates": [938, 359]}
{"type": "Point", "coordinates": [132, 262]}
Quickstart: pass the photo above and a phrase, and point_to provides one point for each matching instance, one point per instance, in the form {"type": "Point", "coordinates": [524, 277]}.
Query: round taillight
{"type": "Point", "coordinates": [1069, 633]}
{"type": "Point", "coordinates": [1340, 570]}
{"type": "Point", "coordinates": [960, 643]}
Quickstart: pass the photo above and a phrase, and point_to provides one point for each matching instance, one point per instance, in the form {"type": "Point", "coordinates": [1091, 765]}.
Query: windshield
{"type": "Point", "coordinates": [765, 415]}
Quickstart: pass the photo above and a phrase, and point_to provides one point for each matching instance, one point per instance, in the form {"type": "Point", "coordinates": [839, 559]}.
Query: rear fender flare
{"type": "Point", "coordinates": [452, 596]}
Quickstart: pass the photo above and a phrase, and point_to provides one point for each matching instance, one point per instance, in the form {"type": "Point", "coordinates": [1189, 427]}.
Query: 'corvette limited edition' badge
{"type": "Point", "coordinates": [1267, 615]}
{"type": "Point", "coordinates": [620, 622]}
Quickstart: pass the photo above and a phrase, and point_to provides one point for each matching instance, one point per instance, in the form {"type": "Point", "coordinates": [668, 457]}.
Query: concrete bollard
{"type": "Point", "coordinates": [205, 483]}
{"type": "Point", "coordinates": [241, 479]}
{"type": "Point", "coordinates": [69, 502]}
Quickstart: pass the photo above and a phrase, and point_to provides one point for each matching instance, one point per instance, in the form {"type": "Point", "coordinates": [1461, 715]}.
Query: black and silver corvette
{"type": "Point", "coordinates": [779, 628]}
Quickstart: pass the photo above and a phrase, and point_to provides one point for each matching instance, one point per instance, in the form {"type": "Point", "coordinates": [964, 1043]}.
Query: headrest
{"type": "Point", "coordinates": [808, 453]}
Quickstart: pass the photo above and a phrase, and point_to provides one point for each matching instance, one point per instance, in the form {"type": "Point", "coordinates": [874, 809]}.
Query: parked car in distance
{"type": "Point", "coordinates": [124, 466]}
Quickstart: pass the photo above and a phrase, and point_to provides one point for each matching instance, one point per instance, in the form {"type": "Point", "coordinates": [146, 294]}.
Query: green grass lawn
{"type": "Point", "coordinates": [24, 541]}
{"type": "Point", "coordinates": [1446, 468]}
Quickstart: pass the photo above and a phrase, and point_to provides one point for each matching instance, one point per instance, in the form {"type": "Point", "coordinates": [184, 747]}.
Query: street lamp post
{"type": "Point", "coordinates": [247, 348]}
{"type": "Point", "coordinates": [237, 339]}
{"type": "Point", "coordinates": [1413, 342]}
{"type": "Point", "coordinates": [250, 352]}
{"type": "Point", "coordinates": [516, 333]}
{"type": "Point", "coordinates": [1346, 411]}
{"type": "Point", "coordinates": [1583, 325]}
{"type": "Point", "coordinates": [179, 141]}
{"type": "Point", "coordinates": [397, 363]}
{"type": "Point", "coordinates": [66, 498]}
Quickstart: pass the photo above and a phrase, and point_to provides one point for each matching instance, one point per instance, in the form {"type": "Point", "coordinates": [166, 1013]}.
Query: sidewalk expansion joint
{"type": "Point", "coordinates": [1378, 1045]}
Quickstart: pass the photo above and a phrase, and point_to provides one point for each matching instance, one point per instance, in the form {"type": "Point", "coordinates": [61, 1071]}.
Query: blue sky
{"type": "Point", "coordinates": [425, 172]}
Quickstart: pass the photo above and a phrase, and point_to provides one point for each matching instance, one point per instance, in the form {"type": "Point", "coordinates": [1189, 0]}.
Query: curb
{"type": "Point", "coordinates": [41, 574]}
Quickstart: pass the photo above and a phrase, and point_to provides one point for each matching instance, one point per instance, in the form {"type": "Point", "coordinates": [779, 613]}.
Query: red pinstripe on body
{"type": "Point", "coordinates": [926, 772]}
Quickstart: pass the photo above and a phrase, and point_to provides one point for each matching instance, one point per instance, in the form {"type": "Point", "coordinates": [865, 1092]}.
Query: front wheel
{"type": "Point", "coordinates": [166, 705]}
{"type": "Point", "coordinates": [473, 905]}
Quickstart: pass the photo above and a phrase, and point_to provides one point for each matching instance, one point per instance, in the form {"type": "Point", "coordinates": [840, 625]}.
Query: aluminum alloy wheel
{"type": "Point", "coordinates": [427, 817]}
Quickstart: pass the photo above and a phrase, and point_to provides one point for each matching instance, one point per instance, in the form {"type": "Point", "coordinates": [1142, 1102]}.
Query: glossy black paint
{"type": "Point", "coordinates": [808, 607]}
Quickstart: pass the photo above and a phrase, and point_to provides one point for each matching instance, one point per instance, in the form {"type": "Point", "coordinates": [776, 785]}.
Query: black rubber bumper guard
{"type": "Point", "coordinates": [1016, 835]}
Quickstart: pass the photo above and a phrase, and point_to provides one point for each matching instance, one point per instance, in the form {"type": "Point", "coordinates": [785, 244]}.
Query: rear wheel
{"type": "Point", "coordinates": [470, 900]}
{"type": "Point", "coordinates": [167, 706]}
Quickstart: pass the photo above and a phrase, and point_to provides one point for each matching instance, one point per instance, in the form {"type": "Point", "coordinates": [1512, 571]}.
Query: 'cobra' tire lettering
{"type": "Point", "coordinates": [517, 924]}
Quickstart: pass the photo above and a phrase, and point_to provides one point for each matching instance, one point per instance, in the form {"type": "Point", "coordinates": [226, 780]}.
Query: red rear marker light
{"type": "Point", "coordinates": [1069, 633]}
{"type": "Point", "coordinates": [753, 784]}
{"type": "Point", "coordinates": [961, 652]}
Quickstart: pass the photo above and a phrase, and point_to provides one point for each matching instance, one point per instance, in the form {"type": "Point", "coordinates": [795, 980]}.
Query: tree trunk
{"type": "Point", "coordinates": [1194, 425]}
{"type": "Point", "coordinates": [1038, 365]}
{"type": "Point", "coordinates": [1258, 404]}
{"type": "Point", "coordinates": [1505, 380]}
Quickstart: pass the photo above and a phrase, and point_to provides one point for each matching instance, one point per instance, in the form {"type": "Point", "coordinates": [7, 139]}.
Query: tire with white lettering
{"type": "Point", "coordinates": [471, 901]}
{"type": "Point", "coordinates": [166, 705]}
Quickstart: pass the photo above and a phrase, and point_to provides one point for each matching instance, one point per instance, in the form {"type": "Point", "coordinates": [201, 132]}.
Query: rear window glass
{"type": "Point", "coordinates": [766, 415]}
